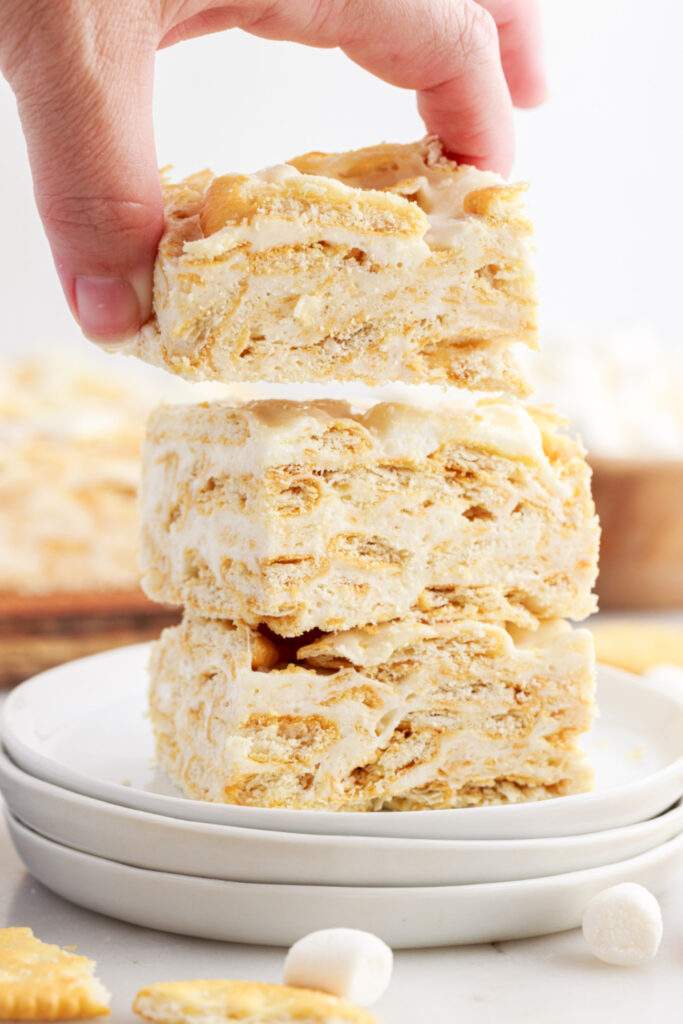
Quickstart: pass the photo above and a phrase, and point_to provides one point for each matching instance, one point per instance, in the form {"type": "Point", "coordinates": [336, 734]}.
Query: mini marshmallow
{"type": "Point", "coordinates": [345, 962]}
{"type": "Point", "coordinates": [623, 925]}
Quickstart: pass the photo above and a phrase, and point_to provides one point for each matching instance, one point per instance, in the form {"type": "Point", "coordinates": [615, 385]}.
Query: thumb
{"type": "Point", "coordinates": [83, 80]}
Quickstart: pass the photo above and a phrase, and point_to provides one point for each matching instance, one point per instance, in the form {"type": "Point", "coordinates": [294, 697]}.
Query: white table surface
{"type": "Point", "coordinates": [551, 980]}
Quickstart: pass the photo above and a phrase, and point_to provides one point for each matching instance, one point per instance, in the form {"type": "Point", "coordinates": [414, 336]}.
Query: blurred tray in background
{"type": "Point", "coordinates": [37, 632]}
{"type": "Point", "coordinates": [640, 504]}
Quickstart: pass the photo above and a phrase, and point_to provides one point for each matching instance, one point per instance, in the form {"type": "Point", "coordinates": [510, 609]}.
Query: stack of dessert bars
{"type": "Point", "coordinates": [375, 590]}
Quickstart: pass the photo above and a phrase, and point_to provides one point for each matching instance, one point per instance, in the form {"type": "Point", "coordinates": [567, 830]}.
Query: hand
{"type": "Point", "coordinates": [82, 72]}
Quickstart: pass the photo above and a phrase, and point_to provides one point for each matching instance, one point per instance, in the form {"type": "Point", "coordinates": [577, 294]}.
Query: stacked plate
{"type": "Point", "coordinates": [93, 821]}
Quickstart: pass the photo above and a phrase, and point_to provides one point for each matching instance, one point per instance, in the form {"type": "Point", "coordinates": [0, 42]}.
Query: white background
{"type": "Point", "coordinates": [604, 157]}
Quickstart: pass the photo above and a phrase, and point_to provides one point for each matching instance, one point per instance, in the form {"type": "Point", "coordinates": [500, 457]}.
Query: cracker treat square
{"type": "Point", "coordinates": [388, 263]}
{"type": "Point", "coordinates": [305, 515]}
{"type": "Point", "coordinates": [400, 716]}
{"type": "Point", "coordinates": [69, 472]}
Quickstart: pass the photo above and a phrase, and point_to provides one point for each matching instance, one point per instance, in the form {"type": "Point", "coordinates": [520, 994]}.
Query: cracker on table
{"type": "Point", "coordinates": [194, 1002]}
{"type": "Point", "coordinates": [39, 981]}
{"type": "Point", "coordinates": [638, 645]}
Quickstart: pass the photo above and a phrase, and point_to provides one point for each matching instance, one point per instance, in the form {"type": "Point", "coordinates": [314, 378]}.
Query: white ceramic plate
{"type": "Point", "coordinates": [279, 914]}
{"type": "Point", "coordinates": [83, 726]}
{"type": "Point", "coordinates": [252, 855]}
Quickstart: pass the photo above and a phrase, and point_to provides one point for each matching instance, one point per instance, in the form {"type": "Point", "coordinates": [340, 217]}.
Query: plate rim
{"type": "Point", "coordinates": [131, 814]}
{"type": "Point", "coordinates": [258, 913]}
{"type": "Point", "coordinates": [562, 881]}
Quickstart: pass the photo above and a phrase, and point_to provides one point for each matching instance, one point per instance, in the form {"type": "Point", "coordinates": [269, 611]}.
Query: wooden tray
{"type": "Point", "coordinates": [39, 632]}
{"type": "Point", "coordinates": [640, 504]}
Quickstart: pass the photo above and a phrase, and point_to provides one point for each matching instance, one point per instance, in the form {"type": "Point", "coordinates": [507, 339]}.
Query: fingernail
{"type": "Point", "coordinates": [108, 308]}
{"type": "Point", "coordinates": [142, 284]}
